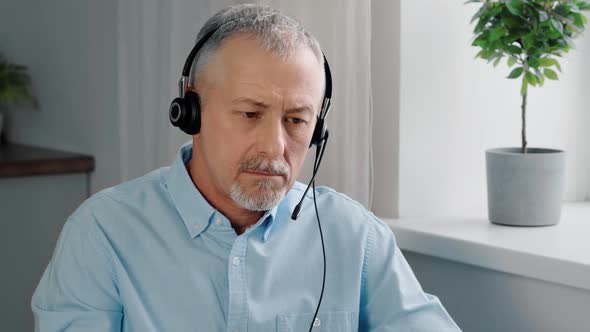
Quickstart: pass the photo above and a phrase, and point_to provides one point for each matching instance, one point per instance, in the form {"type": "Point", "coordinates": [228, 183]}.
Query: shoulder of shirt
{"type": "Point", "coordinates": [124, 193]}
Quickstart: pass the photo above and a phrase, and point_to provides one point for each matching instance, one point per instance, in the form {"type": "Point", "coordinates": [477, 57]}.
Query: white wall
{"type": "Point", "coordinates": [454, 107]}
{"type": "Point", "coordinates": [70, 50]}
{"type": "Point", "coordinates": [149, 65]}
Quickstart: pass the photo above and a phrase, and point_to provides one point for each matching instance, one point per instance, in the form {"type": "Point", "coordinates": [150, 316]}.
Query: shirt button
{"type": "Point", "coordinates": [316, 322]}
{"type": "Point", "coordinates": [236, 260]}
{"type": "Point", "coordinates": [218, 221]}
{"type": "Point", "coordinates": [196, 226]}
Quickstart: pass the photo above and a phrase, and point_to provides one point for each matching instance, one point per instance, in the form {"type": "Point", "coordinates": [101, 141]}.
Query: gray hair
{"type": "Point", "coordinates": [275, 31]}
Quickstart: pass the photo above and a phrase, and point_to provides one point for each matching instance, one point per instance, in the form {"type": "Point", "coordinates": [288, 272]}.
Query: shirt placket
{"type": "Point", "coordinates": [238, 306]}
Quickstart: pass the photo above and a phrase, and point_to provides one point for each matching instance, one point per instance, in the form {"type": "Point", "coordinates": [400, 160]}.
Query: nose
{"type": "Point", "coordinates": [271, 138]}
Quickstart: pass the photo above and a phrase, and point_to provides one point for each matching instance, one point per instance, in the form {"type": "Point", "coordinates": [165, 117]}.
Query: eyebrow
{"type": "Point", "coordinates": [260, 104]}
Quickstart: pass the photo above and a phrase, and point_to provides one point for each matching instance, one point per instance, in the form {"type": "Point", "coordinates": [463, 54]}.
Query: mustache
{"type": "Point", "coordinates": [258, 164]}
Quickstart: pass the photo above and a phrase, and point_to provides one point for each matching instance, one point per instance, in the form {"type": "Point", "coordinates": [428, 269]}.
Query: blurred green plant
{"type": "Point", "coordinates": [15, 84]}
{"type": "Point", "coordinates": [529, 34]}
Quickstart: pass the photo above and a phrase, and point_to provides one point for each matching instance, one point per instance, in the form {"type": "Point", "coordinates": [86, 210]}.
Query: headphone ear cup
{"type": "Point", "coordinates": [185, 113]}
{"type": "Point", "coordinates": [193, 106]}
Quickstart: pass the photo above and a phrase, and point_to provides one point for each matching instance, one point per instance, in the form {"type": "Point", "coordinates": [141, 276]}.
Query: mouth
{"type": "Point", "coordinates": [256, 173]}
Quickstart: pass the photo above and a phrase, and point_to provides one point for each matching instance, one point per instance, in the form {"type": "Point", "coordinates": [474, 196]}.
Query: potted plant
{"type": "Point", "coordinates": [14, 87]}
{"type": "Point", "coordinates": [525, 185]}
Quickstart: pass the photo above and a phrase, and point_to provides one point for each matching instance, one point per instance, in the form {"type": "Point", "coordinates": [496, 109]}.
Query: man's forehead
{"type": "Point", "coordinates": [299, 107]}
{"type": "Point", "coordinates": [242, 60]}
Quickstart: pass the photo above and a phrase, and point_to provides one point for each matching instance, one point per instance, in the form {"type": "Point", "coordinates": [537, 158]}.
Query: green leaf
{"type": "Point", "coordinates": [557, 66]}
{"type": "Point", "coordinates": [515, 73]}
{"type": "Point", "coordinates": [540, 77]}
{"type": "Point", "coordinates": [481, 10]}
{"type": "Point", "coordinates": [497, 32]}
{"type": "Point", "coordinates": [574, 9]}
{"type": "Point", "coordinates": [513, 49]}
{"type": "Point", "coordinates": [533, 62]}
{"type": "Point", "coordinates": [543, 16]}
{"type": "Point", "coordinates": [511, 61]}
{"type": "Point", "coordinates": [547, 62]}
{"type": "Point", "coordinates": [541, 80]}
{"type": "Point", "coordinates": [562, 8]}
{"type": "Point", "coordinates": [480, 41]}
{"type": "Point", "coordinates": [511, 22]}
{"type": "Point", "coordinates": [497, 61]}
{"type": "Point", "coordinates": [528, 40]}
{"type": "Point", "coordinates": [557, 25]}
{"type": "Point", "coordinates": [579, 20]}
{"type": "Point", "coordinates": [484, 54]}
{"type": "Point", "coordinates": [531, 78]}
{"type": "Point", "coordinates": [550, 74]}
{"type": "Point", "coordinates": [478, 13]}
{"type": "Point", "coordinates": [515, 7]}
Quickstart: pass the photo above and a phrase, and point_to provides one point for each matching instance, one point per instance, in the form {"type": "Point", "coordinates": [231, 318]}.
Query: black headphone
{"type": "Point", "coordinates": [185, 111]}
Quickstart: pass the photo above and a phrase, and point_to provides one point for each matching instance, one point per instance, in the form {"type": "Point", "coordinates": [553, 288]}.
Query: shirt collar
{"type": "Point", "coordinates": [195, 211]}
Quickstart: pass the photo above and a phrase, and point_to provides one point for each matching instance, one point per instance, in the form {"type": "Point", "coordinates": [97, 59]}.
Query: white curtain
{"type": "Point", "coordinates": [144, 85]}
{"type": "Point", "coordinates": [155, 37]}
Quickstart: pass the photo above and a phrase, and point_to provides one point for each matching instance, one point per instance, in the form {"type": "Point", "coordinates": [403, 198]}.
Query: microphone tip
{"type": "Point", "coordinates": [295, 213]}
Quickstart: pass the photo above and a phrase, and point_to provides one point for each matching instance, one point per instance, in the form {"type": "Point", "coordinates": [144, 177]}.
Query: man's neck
{"type": "Point", "coordinates": [239, 217]}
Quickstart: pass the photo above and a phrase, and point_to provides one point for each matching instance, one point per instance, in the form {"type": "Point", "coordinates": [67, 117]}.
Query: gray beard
{"type": "Point", "coordinates": [266, 200]}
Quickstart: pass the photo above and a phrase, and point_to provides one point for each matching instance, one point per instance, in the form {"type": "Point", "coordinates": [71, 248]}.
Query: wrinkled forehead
{"type": "Point", "coordinates": [243, 61]}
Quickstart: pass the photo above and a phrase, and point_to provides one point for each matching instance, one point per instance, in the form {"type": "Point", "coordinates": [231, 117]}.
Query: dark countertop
{"type": "Point", "coordinates": [23, 160]}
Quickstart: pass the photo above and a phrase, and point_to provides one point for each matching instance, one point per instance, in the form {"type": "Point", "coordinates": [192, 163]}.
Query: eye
{"type": "Point", "coordinates": [296, 121]}
{"type": "Point", "coordinates": [250, 115]}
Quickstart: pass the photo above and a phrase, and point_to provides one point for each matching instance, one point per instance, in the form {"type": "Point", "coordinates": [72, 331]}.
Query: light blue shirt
{"type": "Point", "coordinates": [152, 255]}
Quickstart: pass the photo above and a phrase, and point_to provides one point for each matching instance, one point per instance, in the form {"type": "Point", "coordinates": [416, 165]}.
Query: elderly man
{"type": "Point", "coordinates": [208, 244]}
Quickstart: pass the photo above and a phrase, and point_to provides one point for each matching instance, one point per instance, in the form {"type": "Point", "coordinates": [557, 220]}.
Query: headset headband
{"type": "Point", "coordinates": [182, 84]}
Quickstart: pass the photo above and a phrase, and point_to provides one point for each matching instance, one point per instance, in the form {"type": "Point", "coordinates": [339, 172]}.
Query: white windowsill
{"type": "Point", "coordinates": [559, 254]}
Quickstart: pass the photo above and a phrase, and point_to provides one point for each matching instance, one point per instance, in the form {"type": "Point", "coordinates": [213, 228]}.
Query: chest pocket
{"type": "Point", "coordinates": [326, 321]}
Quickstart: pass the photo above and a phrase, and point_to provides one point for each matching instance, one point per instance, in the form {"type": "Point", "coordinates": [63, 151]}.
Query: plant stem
{"type": "Point", "coordinates": [524, 142]}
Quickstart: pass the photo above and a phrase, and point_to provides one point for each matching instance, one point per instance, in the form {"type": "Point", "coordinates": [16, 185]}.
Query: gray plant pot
{"type": "Point", "coordinates": [525, 189]}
